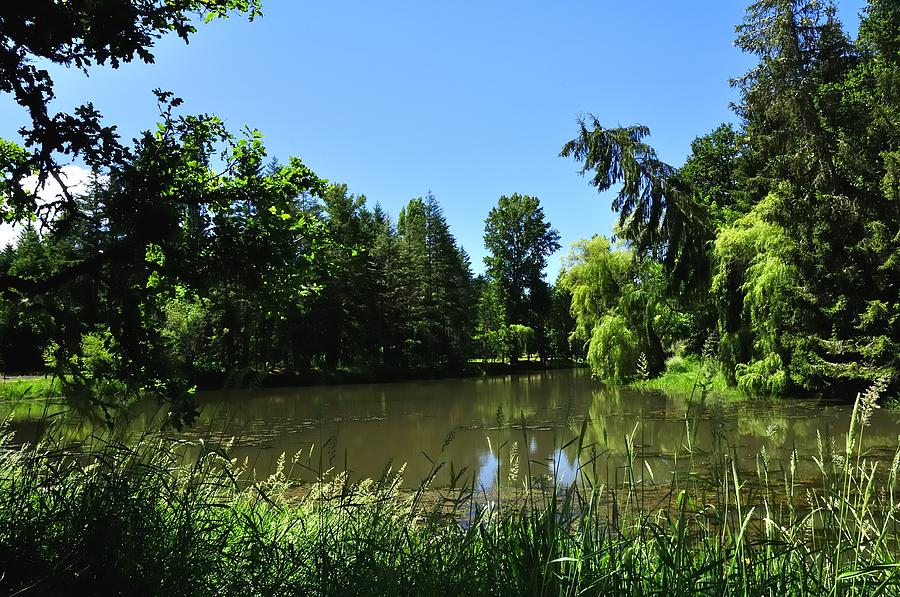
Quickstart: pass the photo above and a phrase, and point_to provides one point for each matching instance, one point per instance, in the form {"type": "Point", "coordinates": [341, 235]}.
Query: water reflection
{"type": "Point", "coordinates": [488, 464]}
{"type": "Point", "coordinates": [364, 428]}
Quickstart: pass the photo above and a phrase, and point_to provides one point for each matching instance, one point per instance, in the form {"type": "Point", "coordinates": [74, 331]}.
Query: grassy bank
{"type": "Point", "coordinates": [17, 388]}
{"type": "Point", "coordinates": [143, 520]}
{"type": "Point", "coordinates": [687, 375]}
{"type": "Point", "coordinates": [29, 388]}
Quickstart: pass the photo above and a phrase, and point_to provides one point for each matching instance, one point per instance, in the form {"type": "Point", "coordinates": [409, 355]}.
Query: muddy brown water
{"type": "Point", "coordinates": [474, 424]}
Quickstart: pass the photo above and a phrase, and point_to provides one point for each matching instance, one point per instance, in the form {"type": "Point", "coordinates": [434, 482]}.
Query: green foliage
{"type": "Point", "coordinates": [98, 354]}
{"type": "Point", "coordinates": [755, 270]}
{"type": "Point", "coordinates": [185, 328]}
{"type": "Point", "coordinates": [73, 34]}
{"type": "Point", "coordinates": [715, 172]}
{"type": "Point", "coordinates": [519, 240]}
{"type": "Point", "coordinates": [643, 371]}
{"type": "Point", "coordinates": [15, 165]}
{"type": "Point", "coordinates": [159, 229]}
{"type": "Point", "coordinates": [676, 364]}
{"type": "Point", "coordinates": [194, 257]}
{"type": "Point", "coordinates": [800, 47]}
{"type": "Point", "coordinates": [692, 375]}
{"type": "Point", "coordinates": [521, 339]}
{"type": "Point", "coordinates": [434, 296]}
{"type": "Point", "coordinates": [656, 214]}
{"type": "Point", "coordinates": [613, 350]}
{"type": "Point", "coordinates": [618, 308]}
{"type": "Point", "coordinates": [890, 183]}
{"type": "Point", "coordinates": [492, 332]}
{"type": "Point", "coordinates": [764, 376]}
{"type": "Point", "coordinates": [781, 234]}
{"type": "Point", "coordinates": [187, 204]}
{"type": "Point", "coordinates": [40, 388]}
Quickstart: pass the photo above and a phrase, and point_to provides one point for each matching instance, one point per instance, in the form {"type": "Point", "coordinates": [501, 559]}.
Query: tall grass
{"type": "Point", "coordinates": [680, 377]}
{"type": "Point", "coordinates": [17, 389]}
{"type": "Point", "coordinates": [145, 520]}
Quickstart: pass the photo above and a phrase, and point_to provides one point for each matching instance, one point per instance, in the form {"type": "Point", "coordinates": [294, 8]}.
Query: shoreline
{"type": "Point", "coordinates": [46, 386]}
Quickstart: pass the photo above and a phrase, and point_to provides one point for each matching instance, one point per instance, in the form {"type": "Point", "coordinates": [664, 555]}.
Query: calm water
{"type": "Point", "coordinates": [365, 428]}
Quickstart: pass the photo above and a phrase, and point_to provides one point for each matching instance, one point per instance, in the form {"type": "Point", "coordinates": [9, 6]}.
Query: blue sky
{"type": "Point", "coordinates": [469, 100]}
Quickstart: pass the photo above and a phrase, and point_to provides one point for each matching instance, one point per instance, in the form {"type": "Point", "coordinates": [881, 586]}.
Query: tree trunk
{"type": "Point", "coordinates": [656, 356]}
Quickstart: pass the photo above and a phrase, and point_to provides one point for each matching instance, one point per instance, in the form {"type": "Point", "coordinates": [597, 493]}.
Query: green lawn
{"type": "Point", "coordinates": [689, 377]}
{"type": "Point", "coordinates": [37, 387]}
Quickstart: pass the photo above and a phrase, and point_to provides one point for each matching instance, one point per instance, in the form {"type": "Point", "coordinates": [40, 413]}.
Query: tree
{"type": "Point", "coordinates": [492, 336]}
{"type": "Point", "coordinates": [188, 209]}
{"type": "Point", "coordinates": [519, 241]}
{"type": "Point", "coordinates": [716, 173]}
{"type": "Point", "coordinates": [24, 332]}
{"type": "Point", "coordinates": [451, 294]}
{"type": "Point", "coordinates": [782, 233]}
{"type": "Point", "coordinates": [522, 338]}
{"type": "Point", "coordinates": [657, 213]}
{"type": "Point", "coordinates": [435, 287]}
{"type": "Point", "coordinates": [618, 307]}
{"type": "Point", "coordinates": [801, 47]}
{"type": "Point", "coordinates": [79, 34]}
{"type": "Point", "coordinates": [806, 280]}
{"type": "Point", "coordinates": [341, 323]}
{"type": "Point", "coordinates": [164, 222]}
{"type": "Point", "coordinates": [561, 323]}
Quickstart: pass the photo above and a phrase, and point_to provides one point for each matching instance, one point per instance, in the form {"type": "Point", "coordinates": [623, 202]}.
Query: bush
{"type": "Point", "coordinates": [677, 364]}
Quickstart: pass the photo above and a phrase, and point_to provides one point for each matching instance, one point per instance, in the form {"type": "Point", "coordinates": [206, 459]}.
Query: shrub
{"type": "Point", "coordinates": [677, 364]}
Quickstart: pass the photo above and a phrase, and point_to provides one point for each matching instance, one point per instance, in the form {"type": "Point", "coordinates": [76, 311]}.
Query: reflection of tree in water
{"type": "Point", "coordinates": [657, 424]}
{"type": "Point", "coordinates": [665, 430]}
{"type": "Point", "coordinates": [547, 395]}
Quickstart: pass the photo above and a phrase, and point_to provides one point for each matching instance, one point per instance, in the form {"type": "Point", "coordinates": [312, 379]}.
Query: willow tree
{"type": "Point", "coordinates": [807, 281]}
{"type": "Point", "coordinates": [798, 205]}
{"type": "Point", "coordinates": [618, 307]}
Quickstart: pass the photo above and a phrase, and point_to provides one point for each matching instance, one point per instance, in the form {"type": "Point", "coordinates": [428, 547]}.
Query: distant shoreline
{"type": "Point", "coordinates": [15, 387]}
{"type": "Point", "coordinates": [473, 370]}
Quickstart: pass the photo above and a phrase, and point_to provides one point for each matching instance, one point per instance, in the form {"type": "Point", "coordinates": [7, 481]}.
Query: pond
{"type": "Point", "coordinates": [475, 424]}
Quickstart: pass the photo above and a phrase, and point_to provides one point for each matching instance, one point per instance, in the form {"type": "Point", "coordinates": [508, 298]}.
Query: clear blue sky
{"type": "Point", "coordinates": [467, 99]}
